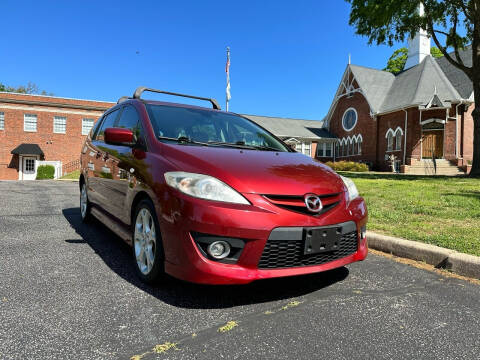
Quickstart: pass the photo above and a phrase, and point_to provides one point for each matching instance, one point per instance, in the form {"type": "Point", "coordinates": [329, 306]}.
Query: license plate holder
{"type": "Point", "coordinates": [322, 240]}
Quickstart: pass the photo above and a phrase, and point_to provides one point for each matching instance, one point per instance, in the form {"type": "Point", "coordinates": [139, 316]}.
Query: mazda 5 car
{"type": "Point", "coordinates": [211, 197]}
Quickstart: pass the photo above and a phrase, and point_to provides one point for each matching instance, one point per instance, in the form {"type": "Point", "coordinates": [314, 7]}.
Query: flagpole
{"type": "Point", "coordinates": [227, 70]}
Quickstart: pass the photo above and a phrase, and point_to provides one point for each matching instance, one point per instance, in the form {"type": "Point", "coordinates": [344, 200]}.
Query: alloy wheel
{"type": "Point", "coordinates": [145, 241]}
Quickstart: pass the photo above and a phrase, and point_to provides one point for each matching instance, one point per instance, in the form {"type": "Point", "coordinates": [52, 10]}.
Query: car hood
{"type": "Point", "coordinates": [253, 171]}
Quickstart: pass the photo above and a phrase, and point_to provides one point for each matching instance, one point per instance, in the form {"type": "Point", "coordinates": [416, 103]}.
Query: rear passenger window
{"type": "Point", "coordinates": [108, 122]}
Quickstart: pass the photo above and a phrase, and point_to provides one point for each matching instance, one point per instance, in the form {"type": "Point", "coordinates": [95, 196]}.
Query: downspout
{"type": "Point", "coordinates": [456, 130]}
{"type": "Point", "coordinates": [405, 138]}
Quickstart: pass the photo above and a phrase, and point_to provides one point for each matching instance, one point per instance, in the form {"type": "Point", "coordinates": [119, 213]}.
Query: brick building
{"type": "Point", "coordinates": [420, 120]}
{"type": "Point", "coordinates": [34, 127]}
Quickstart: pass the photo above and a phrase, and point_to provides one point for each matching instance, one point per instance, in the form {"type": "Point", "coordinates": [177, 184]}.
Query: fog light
{"type": "Point", "coordinates": [219, 249]}
{"type": "Point", "coordinates": [363, 232]}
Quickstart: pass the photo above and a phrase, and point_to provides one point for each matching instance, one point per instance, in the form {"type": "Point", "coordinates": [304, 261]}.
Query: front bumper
{"type": "Point", "coordinates": [183, 215]}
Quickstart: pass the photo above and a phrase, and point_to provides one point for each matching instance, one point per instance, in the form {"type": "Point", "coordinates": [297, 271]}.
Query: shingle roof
{"type": "Point", "coordinates": [457, 77]}
{"type": "Point", "coordinates": [417, 85]}
{"type": "Point", "coordinates": [374, 83]}
{"type": "Point", "coordinates": [285, 127]}
{"type": "Point", "coordinates": [27, 149]}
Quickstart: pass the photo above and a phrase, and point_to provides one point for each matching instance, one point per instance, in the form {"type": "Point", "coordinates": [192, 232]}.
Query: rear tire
{"type": "Point", "coordinates": [148, 255]}
{"type": "Point", "coordinates": [85, 205]}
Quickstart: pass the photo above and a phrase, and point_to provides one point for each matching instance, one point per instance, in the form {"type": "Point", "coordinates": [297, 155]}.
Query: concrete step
{"type": "Point", "coordinates": [441, 167]}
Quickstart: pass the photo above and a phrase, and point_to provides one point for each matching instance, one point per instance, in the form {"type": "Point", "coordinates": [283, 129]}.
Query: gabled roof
{"type": "Point", "coordinates": [416, 86]}
{"type": "Point", "coordinates": [374, 84]}
{"type": "Point", "coordinates": [457, 77]}
{"type": "Point", "coordinates": [298, 128]}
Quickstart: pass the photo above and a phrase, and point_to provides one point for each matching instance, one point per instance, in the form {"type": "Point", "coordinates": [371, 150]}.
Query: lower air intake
{"type": "Point", "coordinates": [287, 253]}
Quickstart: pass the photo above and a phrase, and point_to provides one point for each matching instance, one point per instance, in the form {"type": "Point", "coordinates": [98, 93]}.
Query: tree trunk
{"type": "Point", "coordinates": [475, 172]}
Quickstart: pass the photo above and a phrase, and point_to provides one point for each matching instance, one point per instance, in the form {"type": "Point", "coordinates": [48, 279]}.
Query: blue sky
{"type": "Point", "coordinates": [287, 57]}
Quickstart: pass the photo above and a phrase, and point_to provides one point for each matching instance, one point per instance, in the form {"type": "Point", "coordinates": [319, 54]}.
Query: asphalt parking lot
{"type": "Point", "coordinates": [68, 291]}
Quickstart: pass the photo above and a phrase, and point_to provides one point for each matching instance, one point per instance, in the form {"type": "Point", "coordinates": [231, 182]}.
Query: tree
{"type": "Point", "coordinates": [452, 24]}
{"type": "Point", "coordinates": [397, 60]}
{"type": "Point", "coordinates": [30, 88]}
{"type": "Point", "coordinates": [435, 52]}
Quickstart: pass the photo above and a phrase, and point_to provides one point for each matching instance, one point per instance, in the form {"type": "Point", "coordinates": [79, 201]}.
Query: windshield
{"type": "Point", "coordinates": [209, 128]}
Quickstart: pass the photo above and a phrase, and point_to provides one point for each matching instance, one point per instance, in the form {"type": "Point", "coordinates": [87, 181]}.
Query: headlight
{"type": "Point", "coordinates": [204, 187]}
{"type": "Point", "coordinates": [352, 189]}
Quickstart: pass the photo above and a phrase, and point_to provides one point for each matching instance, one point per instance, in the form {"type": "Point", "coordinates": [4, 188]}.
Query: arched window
{"type": "Point", "coordinates": [355, 147]}
{"type": "Point", "coordinates": [360, 146]}
{"type": "Point", "coordinates": [389, 137]}
{"type": "Point", "coordinates": [398, 138]}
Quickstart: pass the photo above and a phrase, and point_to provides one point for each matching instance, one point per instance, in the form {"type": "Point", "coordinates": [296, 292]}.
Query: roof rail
{"type": "Point", "coordinates": [138, 92]}
{"type": "Point", "coordinates": [122, 99]}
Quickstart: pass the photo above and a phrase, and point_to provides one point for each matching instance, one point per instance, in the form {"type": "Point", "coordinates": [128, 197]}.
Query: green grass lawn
{"type": "Point", "coordinates": [443, 211]}
{"type": "Point", "coordinates": [74, 175]}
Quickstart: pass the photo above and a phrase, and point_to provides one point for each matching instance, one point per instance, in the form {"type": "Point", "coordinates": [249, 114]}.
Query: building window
{"type": "Point", "coordinates": [325, 149]}
{"type": "Point", "coordinates": [59, 124]}
{"type": "Point", "coordinates": [87, 125]}
{"type": "Point", "coordinates": [390, 140]}
{"type": "Point", "coordinates": [328, 149]}
{"type": "Point", "coordinates": [298, 147]}
{"type": "Point", "coordinates": [2, 121]}
{"type": "Point", "coordinates": [398, 139]}
{"type": "Point", "coordinates": [359, 144]}
{"type": "Point", "coordinates": [349, 119]}
{"type": "Point", "coordinates": [306, 149]}
{"type": "Point", "coordinates": [30, 122]}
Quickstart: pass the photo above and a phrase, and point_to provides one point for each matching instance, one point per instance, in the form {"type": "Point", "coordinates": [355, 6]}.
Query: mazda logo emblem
{"type": "Point", "coordinates": [313, 203]}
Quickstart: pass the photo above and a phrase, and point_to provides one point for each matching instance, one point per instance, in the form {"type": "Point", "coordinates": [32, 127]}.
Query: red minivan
{"type": "Point", "coordinates": [210, 197]}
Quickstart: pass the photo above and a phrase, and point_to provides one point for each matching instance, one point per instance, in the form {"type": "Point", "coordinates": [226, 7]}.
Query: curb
{"type": "Point", "coordinates": [76, 180]}
{"type": "Point", "coordinates": [441, 258]}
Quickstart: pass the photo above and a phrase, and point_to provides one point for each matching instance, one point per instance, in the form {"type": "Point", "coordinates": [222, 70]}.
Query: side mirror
{"type": "Point", "coordinates": [119, 136]}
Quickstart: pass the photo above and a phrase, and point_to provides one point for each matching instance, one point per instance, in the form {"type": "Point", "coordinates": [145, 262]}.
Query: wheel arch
{"type": "Point", "coordinates": [141, 195]}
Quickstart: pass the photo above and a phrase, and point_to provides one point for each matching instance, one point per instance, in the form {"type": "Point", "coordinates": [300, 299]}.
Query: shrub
{"type": "Point", "coordinates": [469, 162]}
{"type": "Point", "coordinates": [45, 172]}
{"type": "Point", "coordinates": [347, 166]}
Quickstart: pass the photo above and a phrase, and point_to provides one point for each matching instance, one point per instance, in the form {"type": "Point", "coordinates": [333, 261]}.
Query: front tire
{"type": "Point", "coordinates": [147, 244]}
{"type": "Point", "coordinates": [85, 206]}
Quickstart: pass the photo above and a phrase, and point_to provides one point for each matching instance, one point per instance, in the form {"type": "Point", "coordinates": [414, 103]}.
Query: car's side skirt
{"type": "Point", "coordinates": [113, 225]}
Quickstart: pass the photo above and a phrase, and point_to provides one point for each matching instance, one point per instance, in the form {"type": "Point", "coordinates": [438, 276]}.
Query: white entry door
{"type": "Point", "coordinates": [28, 169]}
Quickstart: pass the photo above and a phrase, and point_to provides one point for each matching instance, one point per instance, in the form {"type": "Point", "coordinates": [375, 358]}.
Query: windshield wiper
{"type": "Point", "coordinates": [242, 145]}
{"type": "Point", "coordinates": [183, 140]}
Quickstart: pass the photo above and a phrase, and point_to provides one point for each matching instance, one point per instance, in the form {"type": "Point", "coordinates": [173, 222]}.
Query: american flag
{"type": "Point", "coordinates": [227, 70]}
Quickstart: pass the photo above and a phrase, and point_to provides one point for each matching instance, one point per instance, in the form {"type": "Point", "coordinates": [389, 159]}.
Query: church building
{"type": "Point", "coordinates": [418, 121]}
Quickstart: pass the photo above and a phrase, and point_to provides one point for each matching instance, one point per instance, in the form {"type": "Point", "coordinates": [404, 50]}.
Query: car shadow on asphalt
{"type": "Point", "coordinates": [117, 256]}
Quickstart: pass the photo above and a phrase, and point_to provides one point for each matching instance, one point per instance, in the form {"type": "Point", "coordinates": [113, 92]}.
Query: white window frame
{"type": "Point", "coordinates": [2, 120]}
{"type": "Point", "coordinates": [304, 147]}
{"type": "Point", "coordinates": [398, 140]}
{"type": "Point", "coordinates": [356, 119]}
{"type": "Point", "coordinates": [84, 120]}
{"type": "Point", "coordinates": [30, 116]}
{"type": "Point", "coordinates": [322, 149]}
{"type": "Point", "coordinates": [60, 121]}
{"type": "Point", "coordinates": [390, 141]}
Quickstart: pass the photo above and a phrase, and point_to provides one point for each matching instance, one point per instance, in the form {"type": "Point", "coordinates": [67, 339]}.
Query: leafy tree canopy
{"type": "Point", "coordinates": [397, 60]}
{"type": "Point", "coordinates": [30, 88]}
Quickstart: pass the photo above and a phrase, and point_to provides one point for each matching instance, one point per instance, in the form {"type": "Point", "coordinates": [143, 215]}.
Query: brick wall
{"type": "Point", "coordinates": [467, 124]}
{"type": "Point", "coordinates": [366, 126]}
{"type": "Point", "coordinates": [61, 147]}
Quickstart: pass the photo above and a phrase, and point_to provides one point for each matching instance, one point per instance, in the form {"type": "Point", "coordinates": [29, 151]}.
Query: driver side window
{"type": "Point", "coordinates": [108, 121]}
